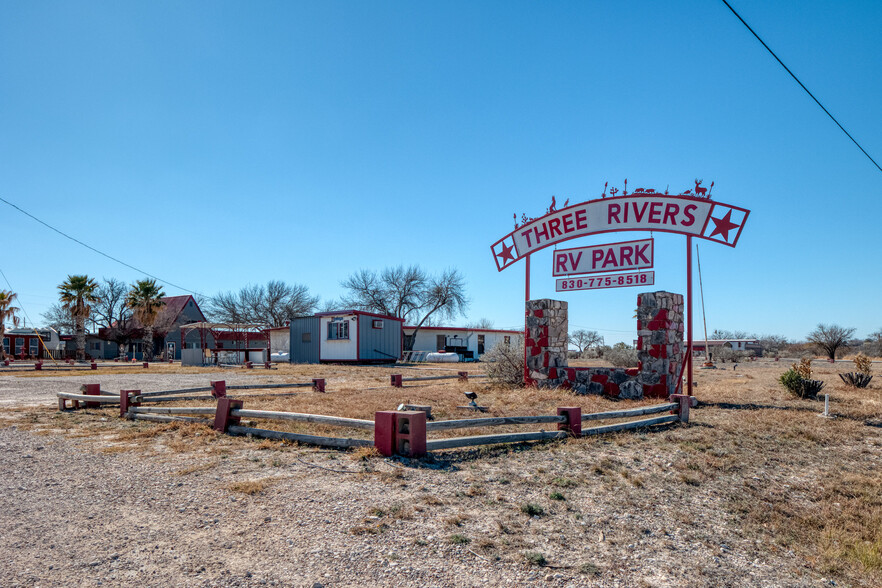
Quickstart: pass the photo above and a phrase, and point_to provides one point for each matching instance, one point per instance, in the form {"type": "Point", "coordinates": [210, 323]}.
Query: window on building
{"type": "Point", "coordinates": [480, 344]}
{"type": "Point", "coordinates": [33, 345]}
{"type": "Point", "coordinates": [306, 337]}
{"type": "Point", "coordinates": [6, 344]}
{"type": "Point", "coordinates": [19, 344]}
{"type": "Point", "coordinates": [507, 339]}
{"type": "Point", "coordinates": [95, 345]}
{"type": "Point", "coordinates": [377, 323]}
{"type": "Point", "coordinates": [338, 330]}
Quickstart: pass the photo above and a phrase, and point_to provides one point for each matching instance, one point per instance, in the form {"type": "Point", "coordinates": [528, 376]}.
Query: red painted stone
{"type": "Point", "coordinates": [536, 350]}
{"type": "Point", "coordinates": [552, 373]}
{"type": "Point", "coordinates": [539, 313]}
{"type": "Point", "coordinates": [633, 372]}
{"type": "Point", "coordinates": [545, 359]}
{"type": "Point", "coordinates": [662, 315]}
{"type": "Point", "coordinates": [611, 389]}
{"type": "Point", "coordinates": [530, 342]}
{"type": "Point", "coordinates": [601, 378]}
{"type": "Point", "coordinates": [543, 342]}
{"type": "Point", "coordinates": [571, 374]}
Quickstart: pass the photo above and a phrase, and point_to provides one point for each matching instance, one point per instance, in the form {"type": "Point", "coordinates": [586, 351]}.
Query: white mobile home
{"type": "Point", "coordinates": [468, 343]}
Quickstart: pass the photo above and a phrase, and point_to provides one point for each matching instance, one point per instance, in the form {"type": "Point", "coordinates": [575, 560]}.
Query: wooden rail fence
{"type": "Point", "coordinates": [402, 433]}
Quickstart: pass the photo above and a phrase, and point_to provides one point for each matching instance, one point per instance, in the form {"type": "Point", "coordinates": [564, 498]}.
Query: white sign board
{"type": "Point", "coordinates": [606, 281]}
{"type": "Point", "coordinates": [612, 257]}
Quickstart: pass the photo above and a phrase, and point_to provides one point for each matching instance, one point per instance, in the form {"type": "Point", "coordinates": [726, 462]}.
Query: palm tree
{"type": "Point", "coordinates": [7, 313]}
{"type": "Point", "coordinates": [145, 300]}
{"type": "Point", "coordinates": [77, 294]}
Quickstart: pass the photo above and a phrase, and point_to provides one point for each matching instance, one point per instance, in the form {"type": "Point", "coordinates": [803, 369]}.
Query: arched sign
{"type": "Point", "coordinates": [642, 211]}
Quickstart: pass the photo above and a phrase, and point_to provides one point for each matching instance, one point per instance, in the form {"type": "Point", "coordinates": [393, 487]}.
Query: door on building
{"type": "Point", "coordinates": [440, 342]}
{"type": "Point", "coordinates": [480, 344]}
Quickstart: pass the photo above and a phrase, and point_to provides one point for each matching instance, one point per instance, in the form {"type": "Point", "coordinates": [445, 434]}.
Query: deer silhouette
{"type": "Point", "coordinates": [699, 191]}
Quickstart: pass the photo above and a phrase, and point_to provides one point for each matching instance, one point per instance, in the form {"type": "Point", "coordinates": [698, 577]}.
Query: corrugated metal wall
{"type": "Point", "coordinates": [305, 339]}
{"type": "Point", "coordinates": [383, 344]}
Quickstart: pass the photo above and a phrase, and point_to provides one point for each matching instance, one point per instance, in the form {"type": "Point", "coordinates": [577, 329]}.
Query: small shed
{"type": "Point", "coordinates": [468, 343]}
{"type": "Point", "coordinates": [346, 336]}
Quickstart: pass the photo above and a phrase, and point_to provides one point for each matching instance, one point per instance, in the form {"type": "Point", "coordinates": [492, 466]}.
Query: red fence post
{"type": "Point", "coordinates": [318, 384]}
{"type": "Point", "coordinates": [249, 365]}
{"type": "Point", "coordinates": [146, 365]}
{"type": "Point", "coordinates": [410, 433]}
{"type": "Point", "coordinates": [396, 380]}
{"type": "Point", "coordinates": [94, 366]}
{"type": "Point", "coordinates": [384, 432]}
{"type": "Point", "coordinates": [91, 390]}
{"type": "Point", "coordinates": [222, 417]}
{"type": "Point", "coordinates": [573, 424]}
{"type": "Point", "coordinates": [125, 397]}
{"type": "Point", "coordinates": [685, 401]}
{"type": "Point", "coordinates": [219, 388]}
{"type": "Point", "coordinates": [463, 376]}
{"type": "Point", "coordinates": [38, 366]}
{"type": "Point", "coordinates": [266, 365]}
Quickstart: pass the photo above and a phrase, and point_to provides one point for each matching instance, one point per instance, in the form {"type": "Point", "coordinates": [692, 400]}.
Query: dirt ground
{"type": "Point", "coordinates": [758, 490]}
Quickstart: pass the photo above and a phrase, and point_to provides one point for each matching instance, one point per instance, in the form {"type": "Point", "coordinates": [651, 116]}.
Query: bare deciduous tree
{"type": "Point", "coordinates": [110, 309]}
{"type": "Point", "coordinates": [830, 338]}
{"type": "Point", "coordinates": [583, 339]}
{"type": "Point", "coordinates": [407, 293]}
{"type": "Point", "coordinates": [482, 323]}
{"type": "Point", "coordinates": [271, 304]}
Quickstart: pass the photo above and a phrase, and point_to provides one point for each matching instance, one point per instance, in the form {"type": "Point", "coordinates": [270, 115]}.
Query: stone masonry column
{"type": "Point", "coordinates": [545, 343]}
{"type": "Point", "coordinates": [659, 342]}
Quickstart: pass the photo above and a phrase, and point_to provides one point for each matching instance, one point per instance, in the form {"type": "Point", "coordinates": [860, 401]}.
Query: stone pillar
{"type": "Point", "coordinates": [545, 343]}
{"type": "Point", "coordinates": [659, 342]}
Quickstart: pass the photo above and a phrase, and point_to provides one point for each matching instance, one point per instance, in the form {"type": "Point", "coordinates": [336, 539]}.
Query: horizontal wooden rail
{"type": "Point", "coordinates": [158, 418]}
{"type": "Point", "coordinates": [671, 418]}
{"type": "Point", "coordinates": [542, 435]}
{"type": "Point", "coordinates": [621, 414]}
{"type": "Point", "coordinates": [89, 397]}
{"type": "Point", "coordinates": [173, 409]}
{"type": "Point", "coordinates": [269, 386]}
{"type": "Point", "coordinates": [311, 439]}
{"type": "Point", "coordinates": [140, 398]}
{"type": "Point", "coordinates": [493, 439]}
{"type": "Point", "coordinates": [492, 422]}
{"type": "Point", "coordinates": [178, 391]}
{"type": "Point", "coordinates": [303, 418]}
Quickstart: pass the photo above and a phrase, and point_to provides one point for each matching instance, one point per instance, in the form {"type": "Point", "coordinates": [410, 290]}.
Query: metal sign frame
{"type": "Point", "coordinates": [692, 214]}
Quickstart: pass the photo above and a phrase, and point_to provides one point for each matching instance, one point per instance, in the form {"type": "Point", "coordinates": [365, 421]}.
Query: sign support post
{"type": "Point", "coordinates": [689, 315]}
{"type": "Point", "coordinates": [526, 328]}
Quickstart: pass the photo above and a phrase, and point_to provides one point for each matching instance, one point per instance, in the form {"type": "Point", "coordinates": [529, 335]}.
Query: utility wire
{"type": "Point", "coordinates": [87, 246]}
{"type": "Point", "coordinates": [801, 85]}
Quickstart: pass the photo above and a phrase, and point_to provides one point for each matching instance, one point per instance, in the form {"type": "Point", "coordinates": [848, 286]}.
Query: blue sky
{"type": "Point", "coordinates": [217, 144]}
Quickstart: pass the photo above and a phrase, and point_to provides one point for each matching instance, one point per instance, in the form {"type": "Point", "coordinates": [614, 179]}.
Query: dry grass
{"type": "Point", "coordinates": [762, 462]}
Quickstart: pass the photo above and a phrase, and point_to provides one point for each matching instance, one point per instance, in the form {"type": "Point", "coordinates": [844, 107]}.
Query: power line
{"type": "Point", "coordinates": [99, 252]}
{"type": "Point", "coordinates": [20, 305]}
{"type": "Point", "coordinates": [801, 85]}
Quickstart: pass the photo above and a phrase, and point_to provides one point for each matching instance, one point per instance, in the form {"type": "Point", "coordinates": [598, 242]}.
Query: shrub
{"type": "Point", "coordinates": [535, 558]}
{"type": "Point", "coordinates": [799, 385]}
{"type": "Point", "coordinates": [863, 364]}
{"type": "Point", "coordinates": [622, 357]}
{"type": "Point", "coordinates": [532, 509]}
{"type": "Point", "coordinates": [506, 364]}
{"type": "Point", "coordinates": [803, 368]}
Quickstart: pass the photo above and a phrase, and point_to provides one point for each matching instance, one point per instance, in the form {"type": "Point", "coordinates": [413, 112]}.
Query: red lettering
{"type": "Point", "coordinates": [596, 256]}
{"type": "Point", "coordinates": [575, 261]}
{"type": "Point", "coordinates": [671, 211]}
{"type": "Point", "coordinates": [655, 212]}
{"type": "Point", "coordinates": [554, 227]}
{"type": "Point", "coordinates": [526, 235]}
{"type": "Point", "coordinates": [688, 213]}
{"type": "Point", "coordinates": [539, 233]}
{"type": "Point", "coordinates": [560, 264]}
{"type": "Point", "coordinates": [567, 222]}
{"type": "Point", "coordinates": [641, 252]}
{"type": "Point", "coordinates": [610, 257]}
{"type": "Point", "coordinates": [626, 253]}
{"type": "Point", "coordinates": [581, 219]}
{"type": "Point", "coordinates": [639, 215]}
{"type": "Point", "coordinates": [613, 211]}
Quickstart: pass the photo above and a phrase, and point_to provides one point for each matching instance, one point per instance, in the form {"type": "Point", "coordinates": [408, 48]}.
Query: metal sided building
{"type": "Point", "coordinates": [468, 343]}
{"type": "Point", "coordinates": [346, 336]}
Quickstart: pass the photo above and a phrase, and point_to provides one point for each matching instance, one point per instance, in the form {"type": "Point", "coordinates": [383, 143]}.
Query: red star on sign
{"type": "Point", "coordinates": [722, 226]}
{"type": "Point", "coordinates": [506, 253]}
